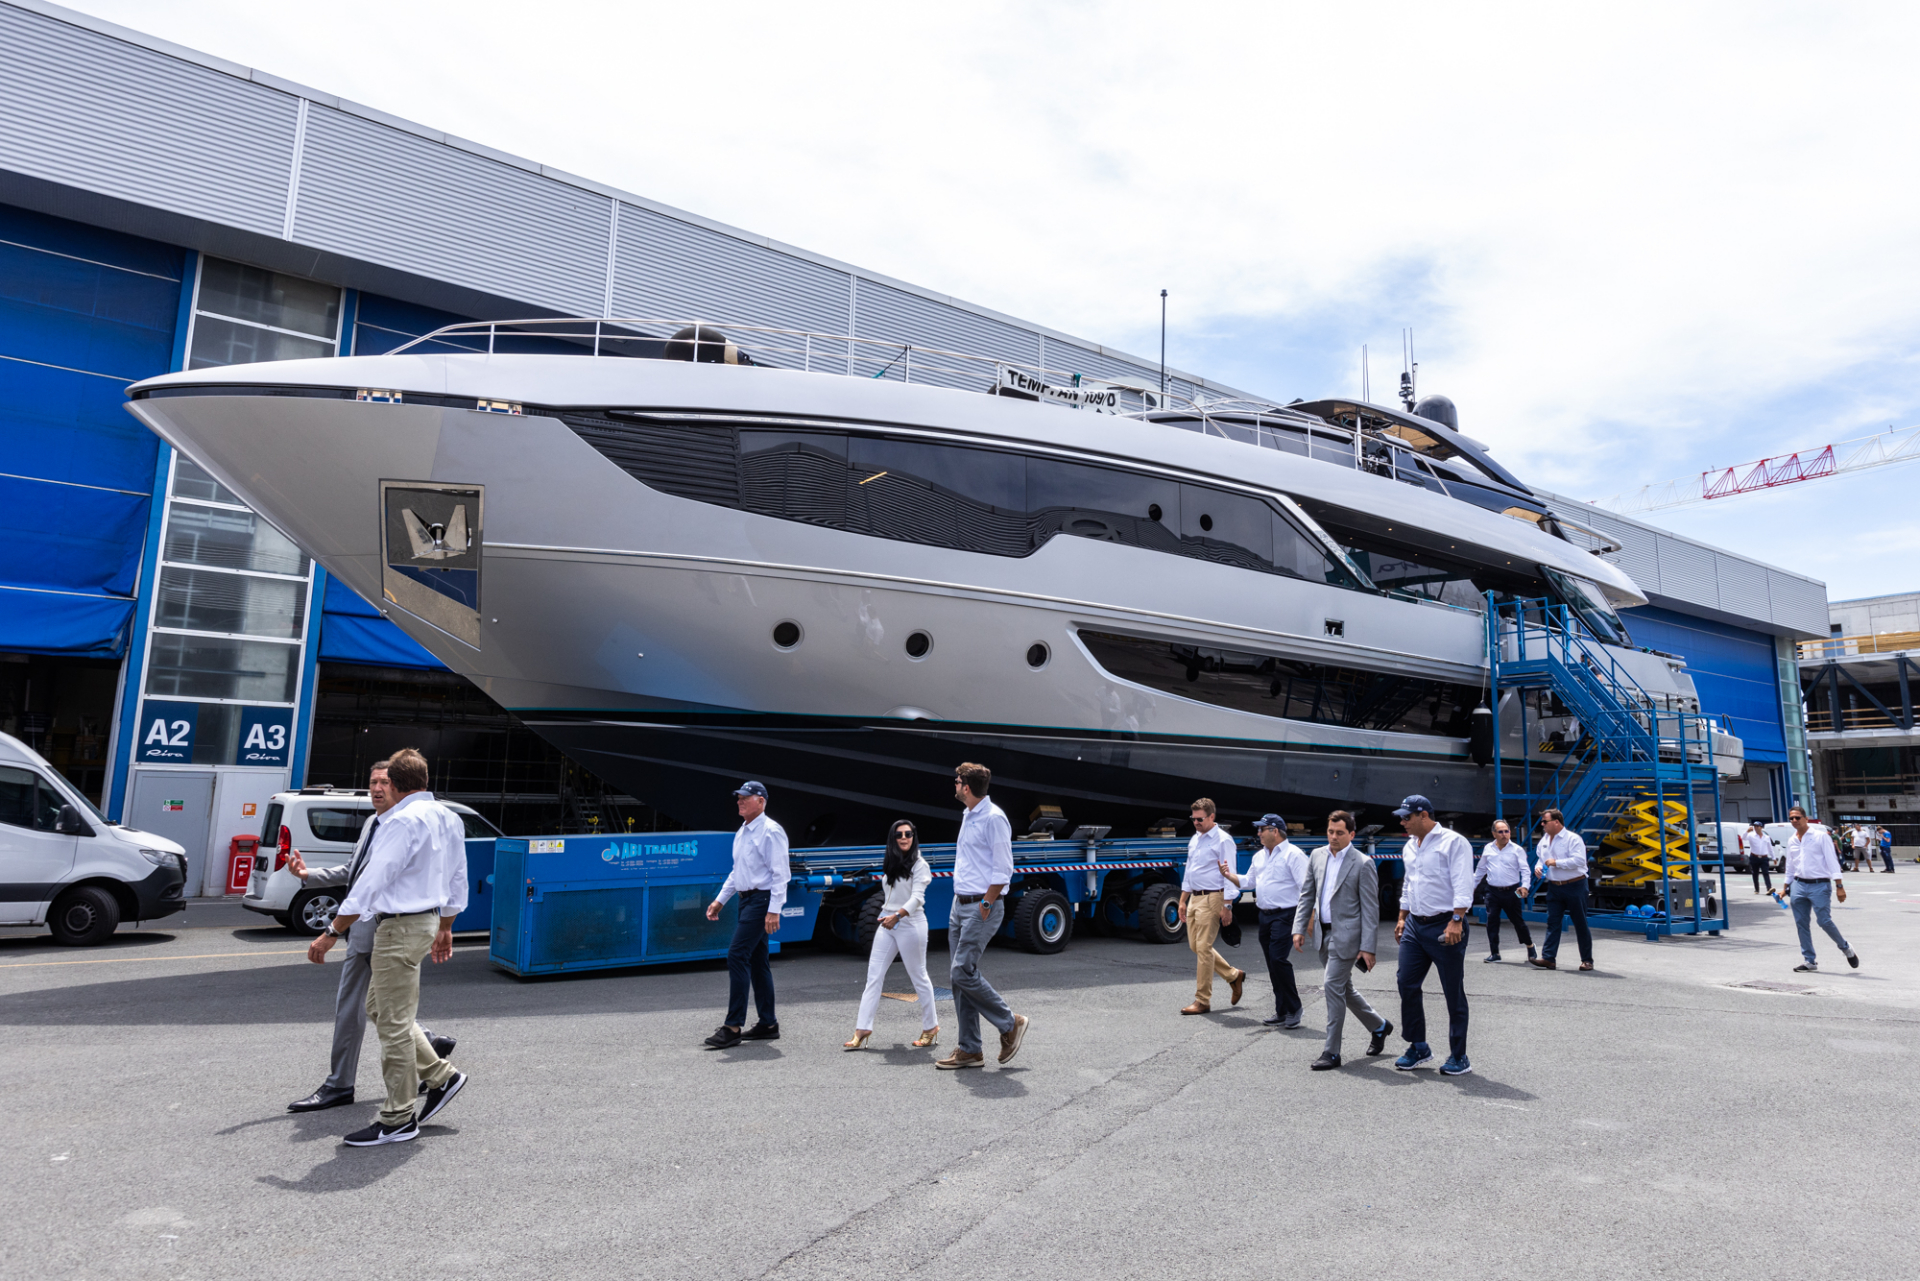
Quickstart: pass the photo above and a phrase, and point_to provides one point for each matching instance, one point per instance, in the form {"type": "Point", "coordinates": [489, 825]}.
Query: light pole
{"type": "Point", "coordinates": [1163, 349]}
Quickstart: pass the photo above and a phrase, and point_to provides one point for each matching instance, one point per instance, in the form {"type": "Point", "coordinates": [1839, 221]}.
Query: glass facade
{"type": "Point", "coordinates": [230, 606]}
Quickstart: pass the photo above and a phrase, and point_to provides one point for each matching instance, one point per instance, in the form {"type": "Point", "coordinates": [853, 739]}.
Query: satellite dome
{"type": "Point", "coordinates": [1438, 409]}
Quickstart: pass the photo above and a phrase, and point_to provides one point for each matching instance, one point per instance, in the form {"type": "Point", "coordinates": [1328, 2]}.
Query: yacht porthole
{"type": "Point", "coordinates": [1037, 655]}
{"type": "Point", "coordinates": [786, 634]}
{"type": "Point", "coordinates": [1206, 522]}
{"type": "Point", "coordinates": [1153, 511]}
{"type": "Point", "coordinates": [919, 645]}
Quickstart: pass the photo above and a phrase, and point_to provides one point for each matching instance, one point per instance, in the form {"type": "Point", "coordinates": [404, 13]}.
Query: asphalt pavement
{"type": "Point", "coordinates": [1662, 1116]}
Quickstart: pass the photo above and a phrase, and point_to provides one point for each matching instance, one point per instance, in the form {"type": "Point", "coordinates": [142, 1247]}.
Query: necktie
{"type": "Point", "coordinates": [360, 855]}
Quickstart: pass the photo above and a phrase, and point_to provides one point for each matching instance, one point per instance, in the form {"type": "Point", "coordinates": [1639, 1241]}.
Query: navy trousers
{"type": "Point", "coordinates": [1420, 951]}
{"type": "Point", "coordinates": [1276, 940]}
{"type": "Point", "coordinates": [748, 963]}
{"type": "Point", "coordinates": [1505, 899]}
{"type": "Point", "coordinates": [1568, 898]}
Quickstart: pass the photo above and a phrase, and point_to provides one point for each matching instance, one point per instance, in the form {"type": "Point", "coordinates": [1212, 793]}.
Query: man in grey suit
{"type": "Point", "coordinates": [356, 970]}
{"type": "Point", "coordinates": [1341, 895]}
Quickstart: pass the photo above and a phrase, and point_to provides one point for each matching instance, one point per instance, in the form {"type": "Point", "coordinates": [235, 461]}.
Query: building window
{"type": "Point", "coordinates": [242, 315]}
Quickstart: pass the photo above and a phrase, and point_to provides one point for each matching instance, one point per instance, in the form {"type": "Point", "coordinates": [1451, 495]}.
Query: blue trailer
{"type": "Point", "coordinates": [565, 903]}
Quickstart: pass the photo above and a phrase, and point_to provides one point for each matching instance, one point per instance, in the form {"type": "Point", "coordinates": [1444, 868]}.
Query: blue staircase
{"type": "Point", "coordinates": [1630, 748]}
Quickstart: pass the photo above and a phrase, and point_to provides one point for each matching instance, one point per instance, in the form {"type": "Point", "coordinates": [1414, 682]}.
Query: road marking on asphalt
{"type": "Point", "coordinates": [115, 960]}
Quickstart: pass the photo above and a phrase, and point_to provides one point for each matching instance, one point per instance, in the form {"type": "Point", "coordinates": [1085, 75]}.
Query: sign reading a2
{"type": "Point", "coordinates": [166, 735]}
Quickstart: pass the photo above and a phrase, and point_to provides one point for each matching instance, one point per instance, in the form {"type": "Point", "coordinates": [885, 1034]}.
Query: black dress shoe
{"type": "Point", "coordinates": [321, 1099]}
{"type": "Point", "coordinates": [1327, 1061]}
{"type": "Point", "coordinates": [442, 1045]}
{"type": "Point", "coordinates": [1275, 1021]}
{"type": "Point", "coordinates": [723, 1038]}
{"type": "Point", "coordinates": [762, 1032]}
{"type": "Point", "coordinates": [1379, 1041]}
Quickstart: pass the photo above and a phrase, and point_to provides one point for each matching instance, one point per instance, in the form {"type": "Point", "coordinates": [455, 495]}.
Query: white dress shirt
{"type": "Point", "coordinates": [1812, 857]}
{"type": "Point", "coordinates": [1569, 854]}
{"type": "Point", "coordinates": [759, 863]}
{"type": "Point", "coordinates": [1275, 876]}
{"type": "Point", "coordinates": [416, 862]}
{"type": "Point", "coordinates": [1206, 851]}
{"type": "Point", "coordinates": [1439, 875]}
{"type": "Point", "coordinates": [983, 856]}
{"type": "Point", "coordinates": [1759, 847]}
{"type": "Point", "coordinates": [1335, 858]}
{"type": "Point", "coordinates": [1504, 866]}
{"type": "Point", "coordinates": [909, 893]}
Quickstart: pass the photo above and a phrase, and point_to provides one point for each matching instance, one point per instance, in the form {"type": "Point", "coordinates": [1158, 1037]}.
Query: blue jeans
{"type": "Point", "coordinates": [1568, 898]}
{"type": "Point", "coordinates": [1421, 950]}
{"type": "Point", "coordinates": [747, 961]}
{"type": "Point", "coordinates": [974, 997]}
{"type": "Point", "coordinates": [1814, 900]}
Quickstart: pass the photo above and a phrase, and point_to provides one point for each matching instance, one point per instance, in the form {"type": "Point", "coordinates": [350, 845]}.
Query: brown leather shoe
{"type": "Point", "coordinates": [1539, 964]}
{"type": "Point", "coordinates": [1010, 1041]}
{"type": "Point", "coordinates": [1197, 1008]}
{"type": "Point", "coordinates": [1239, 985]}
{"type": "Point", "coordinates": [960, 1059]}
{"type": "Point", "coordinates": [1586, 965]}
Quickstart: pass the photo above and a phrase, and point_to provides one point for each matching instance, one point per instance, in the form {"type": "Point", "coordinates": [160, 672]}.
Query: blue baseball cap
{"type": "Point", "coordinates": [752, 789]}
{"type": "Point", "coordinates": [1414, 805]}
{"type": "Point", "coordinates": [1270, 820]}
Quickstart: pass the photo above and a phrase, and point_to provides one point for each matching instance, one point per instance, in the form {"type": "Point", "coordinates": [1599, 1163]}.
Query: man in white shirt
{"type": "Point", "coordinates": [1503, 866]}
{"type": "Point", "coordinates": [413, 885]}
{"type": "Point", "coordinates": [1435, 898]}
{"type": "Point", "coordinates": [982, 870]}
{"type": "Point", "coordinates": [1813, 878]}
{"type": "Point", "coordinates": [759, 876]}
{"type": "Point", "coordinates": [1273, 878]}
{"type": "Point", "coordinates": [1860, 839]}
{"type": "Point", "coordinates": [1759, 848]}
{"type": "Point", "coordinates": [1203, 902]}
{"type": "Point", "coordinates": [1563, 866]}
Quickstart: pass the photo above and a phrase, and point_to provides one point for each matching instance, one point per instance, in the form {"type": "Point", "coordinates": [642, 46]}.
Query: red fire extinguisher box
{"type": "Point", "coordinates": [240, 852]}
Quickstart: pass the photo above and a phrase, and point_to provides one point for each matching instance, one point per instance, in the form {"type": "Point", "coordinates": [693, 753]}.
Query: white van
{"type": "Point", "coordinates": [64, 864]}
{"type": "Point", "coordinates": [321, 824]}
{"type": "Point", "coordinates": [1728, 839]}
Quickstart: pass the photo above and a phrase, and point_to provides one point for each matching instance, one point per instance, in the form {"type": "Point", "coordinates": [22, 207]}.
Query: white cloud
{"type": "Point", "coordinates": [1635, 240]}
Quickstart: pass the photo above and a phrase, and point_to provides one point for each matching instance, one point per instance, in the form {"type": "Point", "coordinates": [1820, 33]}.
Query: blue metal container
{"type": "Point", "coordinates": [568, 903]}
{"type": "Point", "coordinates": [479, 913]}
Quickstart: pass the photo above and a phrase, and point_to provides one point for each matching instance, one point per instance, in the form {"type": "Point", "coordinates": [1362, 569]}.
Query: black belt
{"type": "Point", "coordinates": [1492, 886]}
{"type": "Point", "coordinates": [389, 916]}
{"type": "Point", "coordinates": [1435, 918]}
{"type": "Point", "coordinates": [1814, 880]}
{"type": "Point", "coordinates": [968, 900]}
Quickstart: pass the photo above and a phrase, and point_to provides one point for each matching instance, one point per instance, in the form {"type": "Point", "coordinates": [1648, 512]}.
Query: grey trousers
{"type": "Point", "coordinates": [973, 996]}
{"type": "Point", "coordinates": [1341, 997]}
{"type": "Point", "coordinates": [350, 1005]}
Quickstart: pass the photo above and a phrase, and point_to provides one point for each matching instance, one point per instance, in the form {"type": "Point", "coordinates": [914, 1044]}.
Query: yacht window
{"type": "Point", "coordinates": [1449, 586]}
{"type": "Point", "coordinates": [1295, 690]}
{"type": "Point", "coordinates": [1231, 527]}
{"type": "Point", "coordinates": [1590, 603]}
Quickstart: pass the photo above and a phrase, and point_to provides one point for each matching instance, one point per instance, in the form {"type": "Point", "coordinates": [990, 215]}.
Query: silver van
{"type": "Point", "coordinates": [64, 864]}
{"type": "Point", "coordinates": [323, 825]}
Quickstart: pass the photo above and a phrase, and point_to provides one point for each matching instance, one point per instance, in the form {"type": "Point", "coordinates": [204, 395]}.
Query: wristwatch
{"type": "Point", "coordinates": [1459, 918]}
{"type": "Point", "coordinates": [332, 933]}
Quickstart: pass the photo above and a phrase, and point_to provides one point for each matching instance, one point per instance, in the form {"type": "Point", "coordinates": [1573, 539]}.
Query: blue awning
{"type": "Point", "coordinates": [352, 631]}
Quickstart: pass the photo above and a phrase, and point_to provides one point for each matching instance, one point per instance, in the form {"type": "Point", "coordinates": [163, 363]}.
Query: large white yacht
{"type": "Point", "coordinates": [691, 558]}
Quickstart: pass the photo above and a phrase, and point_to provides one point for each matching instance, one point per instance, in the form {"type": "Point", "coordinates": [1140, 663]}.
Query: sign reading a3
{"type": "Point", "coordinates": [266, 736]}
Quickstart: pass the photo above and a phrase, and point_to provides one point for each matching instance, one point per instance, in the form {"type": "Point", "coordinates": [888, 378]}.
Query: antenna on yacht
{"type": "Point", "coordinates": [1163, 348]}
{"type": "Point", "coordinates": [1409, 370]}
{"type": "Point", "coordinates": [1366, 387]}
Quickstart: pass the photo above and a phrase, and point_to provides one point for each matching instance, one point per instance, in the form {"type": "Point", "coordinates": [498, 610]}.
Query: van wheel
{"type": "Point", "coordinates": [1160, 914]}
{"type": "Point", "coordinates": [84, 917]}
{"type": "Point", "coordinates": [312, 911]}
{"type": "Point", "coordinates": [1043, 922]}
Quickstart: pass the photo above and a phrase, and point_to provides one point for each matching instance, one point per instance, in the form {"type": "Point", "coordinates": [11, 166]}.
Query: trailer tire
{"type": "Point", "coordinates": [1042, 922]}
{"type": "Point", "coordinates": [867, 924]}
{"type": "Point", "coordinates": [1160, 914]}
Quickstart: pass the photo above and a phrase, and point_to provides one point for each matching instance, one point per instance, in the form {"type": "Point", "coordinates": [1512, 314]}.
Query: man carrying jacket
{"type": "Point", "coordinates": [356, 970]}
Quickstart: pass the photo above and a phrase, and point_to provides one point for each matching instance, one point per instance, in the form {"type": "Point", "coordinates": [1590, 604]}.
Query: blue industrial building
{"type": "Point", "coordinates": [179, 659]}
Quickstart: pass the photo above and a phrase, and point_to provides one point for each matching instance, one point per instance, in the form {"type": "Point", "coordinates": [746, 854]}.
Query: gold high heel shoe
{"type": "Point", "coordinates": [928, 1039]}
{"type": "Point", "coordinates": [859, 1041]}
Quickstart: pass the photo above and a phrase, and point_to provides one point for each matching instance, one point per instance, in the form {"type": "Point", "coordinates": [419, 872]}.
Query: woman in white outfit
{"type": "Point", "coordinates": [902, 932]}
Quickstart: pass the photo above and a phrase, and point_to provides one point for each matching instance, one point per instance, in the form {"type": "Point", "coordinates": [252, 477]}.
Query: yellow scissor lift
{"type": "Point", "coordinates": [1651, 847]}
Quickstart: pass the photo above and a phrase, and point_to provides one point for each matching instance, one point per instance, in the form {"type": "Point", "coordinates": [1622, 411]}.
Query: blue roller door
{"type": "Point", "coordinates": [1732, 667]}
{"type": "Point", "coordinates": [83, 312]}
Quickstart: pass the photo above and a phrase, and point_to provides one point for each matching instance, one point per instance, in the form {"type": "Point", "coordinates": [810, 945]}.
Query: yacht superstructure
{"type": "Point", "coordinates": [686, 557]}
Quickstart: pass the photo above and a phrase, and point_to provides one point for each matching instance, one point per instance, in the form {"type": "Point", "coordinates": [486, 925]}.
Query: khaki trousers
{"type": "Point", "coordinates": [393, 998]}
{"type": "Point", "coordinates": [1203, 927]}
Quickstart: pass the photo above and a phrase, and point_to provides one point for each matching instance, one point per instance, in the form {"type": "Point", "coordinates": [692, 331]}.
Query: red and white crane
{"type": "Point", "coordinates": [1883, 449]}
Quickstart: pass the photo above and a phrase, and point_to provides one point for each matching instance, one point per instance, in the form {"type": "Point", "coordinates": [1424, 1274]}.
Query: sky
{"type": "Point", "coordinates": [1633, 241]}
